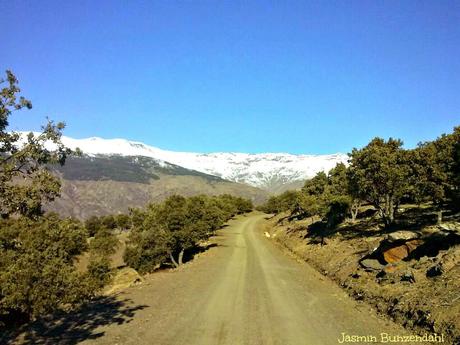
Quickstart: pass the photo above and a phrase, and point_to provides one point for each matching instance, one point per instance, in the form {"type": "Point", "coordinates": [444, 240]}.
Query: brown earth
{"type": "Point", "coordinates": [243, 290]}
{"type": "Point", "coordinates": [399, 285]}
{"type": "Point", "coordinates": [82, 199]}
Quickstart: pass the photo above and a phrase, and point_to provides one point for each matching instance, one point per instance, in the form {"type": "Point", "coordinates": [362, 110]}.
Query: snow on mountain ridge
{"type": "Point", "coordinates": [263, 170]}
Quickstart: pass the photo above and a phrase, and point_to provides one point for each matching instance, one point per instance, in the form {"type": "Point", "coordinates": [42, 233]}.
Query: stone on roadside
{"type": "Point", "coordinates": [371, 264]}
{"type": "Point", "coordinates": [402, 235]}
{"type": "Point", "coordinates": [435, 271]}
{"type": "Point", "coordinates": [123, 279]}
{"type": "Point", "coordinates": [398, 253]}
{"type": "Point", "coordinates": [391, 268]}
{"type": "Point", "coordinates": [408, 276]}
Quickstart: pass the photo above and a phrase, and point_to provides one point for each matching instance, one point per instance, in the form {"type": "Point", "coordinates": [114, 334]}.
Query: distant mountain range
{"type": "Point", "coordinates": [115, 174]}
{"type": "Point", "coordinates": [268, 171]}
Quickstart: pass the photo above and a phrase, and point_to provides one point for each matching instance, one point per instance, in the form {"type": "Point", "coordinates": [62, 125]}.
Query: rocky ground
{"type": "Point", "coordinates": [410, 273]}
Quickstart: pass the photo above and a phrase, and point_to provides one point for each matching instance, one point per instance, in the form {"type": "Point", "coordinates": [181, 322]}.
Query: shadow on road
{"type": "Point", "coordinates": [72, 328]}
{"type": "Point", "coordinates": [190, 254]}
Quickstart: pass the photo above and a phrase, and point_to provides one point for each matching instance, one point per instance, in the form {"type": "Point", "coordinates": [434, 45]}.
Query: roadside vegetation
{"type": "Point", "coordinates": [382, 175]}
{"type": "Point", "coordinates": [385, 227]}
{"type": "Point", "coordinates": [169, 230]}
{"type": "Point", "coordinates": [39, 253]}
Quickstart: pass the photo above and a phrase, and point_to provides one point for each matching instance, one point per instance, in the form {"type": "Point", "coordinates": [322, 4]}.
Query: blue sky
{"type": "Point", "coordinates": [281, 76]}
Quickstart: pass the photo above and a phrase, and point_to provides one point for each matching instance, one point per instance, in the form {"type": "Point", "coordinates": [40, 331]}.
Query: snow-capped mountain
{"type": "Point", "coordinates": [264, 170]}
{"type": "Point", "coordinates": [268, 171]}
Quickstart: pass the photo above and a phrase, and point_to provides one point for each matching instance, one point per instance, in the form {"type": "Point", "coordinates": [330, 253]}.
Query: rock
{"type": "Point", "coordinates": [124, 278]}
{"type": "Point", "coordinates": [408, 276]}
{"type": "Point", "coordinates": [412, 245]}
{"type": "Point", "coordinates": [451, 260]}
{"type": "Point", "coordinates": [381, 274]}
{"type": "Point", "coordinates": [435, 271]}
{"type": "Point", "coordinates": [398, 253]}
{"type": "Point", "coordinates": [371, 264]}
{"type": "Point", "coordinates": [450, 226]}
{"type": "Point", "coordinates": [389, 269]}
{"type": "Point", "coordinates": [384, 277]}
{"type": "Point", "coordinates": [402, 236]}
{"type": "Point", "coordinates": [422, 262]}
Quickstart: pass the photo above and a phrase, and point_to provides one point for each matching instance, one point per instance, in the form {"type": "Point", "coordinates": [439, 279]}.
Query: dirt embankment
{"type": "Point", "coordinates": [412, 276]}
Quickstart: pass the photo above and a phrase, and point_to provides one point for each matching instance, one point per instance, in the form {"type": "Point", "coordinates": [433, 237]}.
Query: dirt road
{"type": "Point", "coordinates": [243, 291]}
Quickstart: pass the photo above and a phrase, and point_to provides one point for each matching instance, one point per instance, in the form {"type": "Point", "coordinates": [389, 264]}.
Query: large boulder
{"type": "Point", "coordinates": [398, 253]}
{"type": "Point", "coordinates": [123, 279]}
{"type": "Point", "coordinates": [371, 265]}
{"type": "Point", "coordinates": [402, 235]}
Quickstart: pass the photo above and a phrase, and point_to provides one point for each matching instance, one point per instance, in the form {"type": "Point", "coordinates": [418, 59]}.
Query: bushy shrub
{"type": "Point", "coordinates": [109, 222]}
{"type": "Point", "coordinates": [93, 224]}
{"type": "Point", "coordinates": [104, 243]}
{"type": "Point", "coordinates": [123, 221]}
{"type": "Point", "coordinates": [37, 272]}
{"type": "Point", "coordinates": [178, 224]}
{"type": "Point", "coordinates": [99, 272]}
{"type": "Point", "coordinates": [338, 210]}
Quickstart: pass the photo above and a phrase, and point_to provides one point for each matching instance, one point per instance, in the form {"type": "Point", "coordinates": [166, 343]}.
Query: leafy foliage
{"type": "Point", "coordinates": [382, 174]}
{"type": "Point", "coordinates": [37, 253]}
{"type": "Point", "coordinates": [25, 181]}
{"type": "Point", "coordinates": [93, 224]}
{"type": "Point", "coordinates": [104, 243]}
{"type": "Point", "coordinates": [37, 274]}
{"type": "Point", "coordinates": [178, 224]}
{"type": "Point", "coordinates": [379, 173]}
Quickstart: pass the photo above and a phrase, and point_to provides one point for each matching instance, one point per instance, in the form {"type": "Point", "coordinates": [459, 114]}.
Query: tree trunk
{"type": "Point", "coordinates": [173, 260]}
{"type": "Point", "coordinates": [181, 257]}
{"type": "Point", "coordinates": [354, 209]}
{"type": "Point", "coordinates": [387, 211]}
{"type": "Point", "coordinates": [354, 213]}
{"type": "Point", "coordinates": [439, 213]}
{"type": "Point", "coordinates": [391, 211]}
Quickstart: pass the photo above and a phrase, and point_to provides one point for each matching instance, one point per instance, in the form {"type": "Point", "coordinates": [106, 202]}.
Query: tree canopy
{"type": "Point", "coordinates": [166, 230]}
{"type": "Point", "coordinates": [382, 174]}
{"type": "Point", "coordinates": [37, 252]}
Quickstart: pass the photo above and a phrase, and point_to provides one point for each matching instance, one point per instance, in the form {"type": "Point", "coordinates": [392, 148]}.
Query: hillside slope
{"type": "Point", "coordinates": [111, 184]}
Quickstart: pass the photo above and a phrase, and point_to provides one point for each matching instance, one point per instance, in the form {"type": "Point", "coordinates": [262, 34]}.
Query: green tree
{"type": "Point", "coordinates": [104, 243]}
{"type": "Point", "coordinates": [25, 180]}
{"type": "Point", "coordinates": [109, 222]}
{"type": "Point", "coordinates": [37, 253]}
{"type": "Point", "coordinates": [137, 216]}
{"type": "Point", "coordinates": [379, 173]}
{"type": "Point", "coordinates": [337, 210]}
{"type": "Point", "coordinates": [99, 272]}
{"type": "Point", "coordinates": [147, 247]}
{"type": "Point", "coordinates": [337, 180]}
{"type": "Point", "coordinates": [433, 170]}
{"type": "Point", "coordinates": [37, 272]}
{"type": "Point", "coordinates": [174, 216]}
{"type": "Point", "coordinates": [93, 224]}
{"type": "Point", "coordinates": [176, 225]}
{"type": "Point", "coordinates": [123, 221]}
{"type": "Point", "coordinates": [317, 185]}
